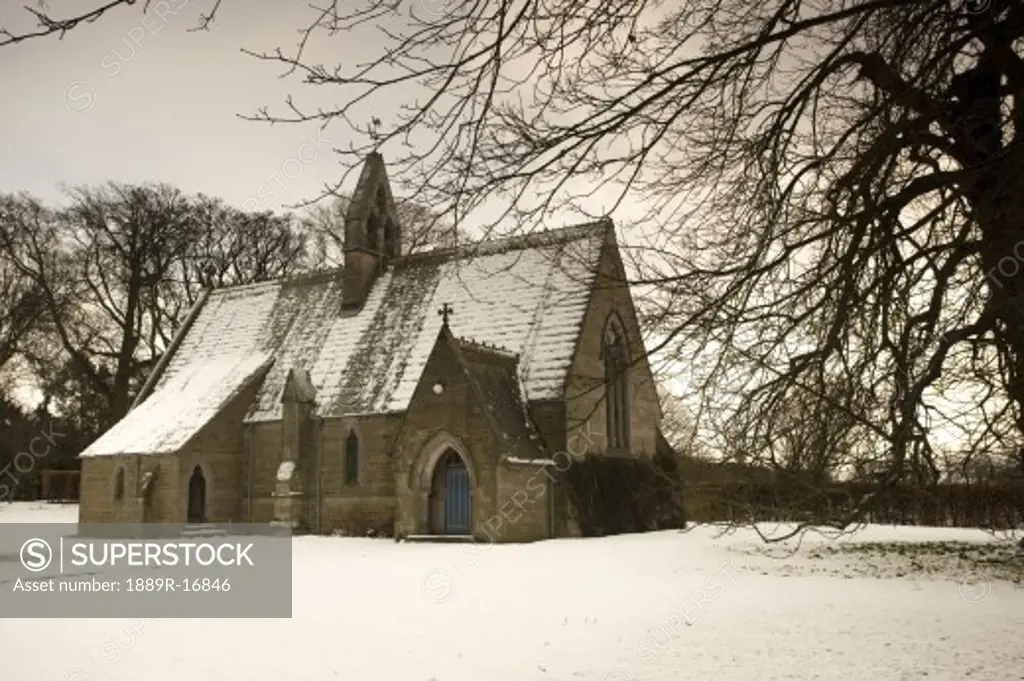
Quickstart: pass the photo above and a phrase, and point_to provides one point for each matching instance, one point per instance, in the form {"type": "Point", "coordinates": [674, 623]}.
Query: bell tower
{"type": "Point", "coordinates": [372, 233]}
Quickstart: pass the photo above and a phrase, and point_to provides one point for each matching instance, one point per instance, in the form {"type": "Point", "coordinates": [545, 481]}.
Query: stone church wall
{"type": "Point", "coordinates": [97, 502]}
{"type": "Point", "coordinates": [265, 444]}
{"type": "Point", "coordinates": [507, 503]}
{"type": "Point", "coordinates": [369, 506]}
{"type": "Point", "coordinates": [217, 448]}
{"type": "Point", "coordinates": [585, 418]}
{"type": "Point", "coordinates": [430, 415]}
{"type": "Point", "coordinates": [523, 505]}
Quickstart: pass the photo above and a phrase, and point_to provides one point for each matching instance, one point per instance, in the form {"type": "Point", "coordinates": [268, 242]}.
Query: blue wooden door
{"type": "Point", "coordinates": [456, 500]}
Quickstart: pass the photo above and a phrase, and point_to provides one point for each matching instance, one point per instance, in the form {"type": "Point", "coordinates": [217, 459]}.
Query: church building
{"type": "Point", "coordinates": [434, 393]}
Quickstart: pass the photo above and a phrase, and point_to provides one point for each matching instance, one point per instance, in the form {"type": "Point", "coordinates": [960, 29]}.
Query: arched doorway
{"type": "Point", "coordinates": [197, 496]}
{"type": "Point", "coordinates": [450, 502]}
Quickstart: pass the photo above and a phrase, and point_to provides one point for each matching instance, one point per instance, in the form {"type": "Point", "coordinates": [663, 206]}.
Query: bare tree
{"type": "Point", "coordinates": [229, 247]}
{"type": "Point", "coordinates": [836, 184]}
{"type": "Point", "coordinates": [831, 191]}
{"type": "Point", "coordinates": [32, 251]}
{"type": "Point", "coordinates": [810, 440]}
{"type": "Point", "coordinates": [20, 302]}
{"type": "Point", "coordinates": [983, 468]}
{"type": "Point", "coordinates": [679, 426]}
{"type": "Point", "coordinates": [110, 277]}
{"type": "Point", "coordinates": [43, 23]}
{"type": "Point", "coordinates": [118, 244]}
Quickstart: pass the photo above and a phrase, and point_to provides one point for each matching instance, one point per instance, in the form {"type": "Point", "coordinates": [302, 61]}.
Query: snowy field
{"type": "Point", "coordinates": [888, 603]}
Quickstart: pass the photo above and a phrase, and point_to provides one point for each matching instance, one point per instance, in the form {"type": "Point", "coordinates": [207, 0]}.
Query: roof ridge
{"type": "Point", "coordinates": [487, 348]}
{"type": "Point", "coordinates": [311, 276]}
{"type": "Point", "coordinates": [513, 242]}
{"type": "Point", "coordinates": [266, 283]}
{"type": "Point", "coordinates": [474, 385]}
{"type": "Point", "coordinates": [290, 279]}
{"type": "Point", "coordinates": [484, 398]}
{"type": "Point", "coordinates": [546, 237]}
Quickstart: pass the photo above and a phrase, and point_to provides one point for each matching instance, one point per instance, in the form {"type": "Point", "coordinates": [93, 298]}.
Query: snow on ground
{"type": "Point", "coordinates": [609, 609]}
{"type": "Point", "coordinates": [38, 512]}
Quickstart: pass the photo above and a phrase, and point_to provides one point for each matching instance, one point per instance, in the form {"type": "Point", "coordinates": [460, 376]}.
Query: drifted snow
{"type": "Point", "coordinates": [567, 610]}
{"type": "Point", "coordinates": [181, 404]}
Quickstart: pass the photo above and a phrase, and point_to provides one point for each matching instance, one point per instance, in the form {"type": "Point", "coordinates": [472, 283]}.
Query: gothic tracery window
{"type": "Point", "coordinates": [616, 381]}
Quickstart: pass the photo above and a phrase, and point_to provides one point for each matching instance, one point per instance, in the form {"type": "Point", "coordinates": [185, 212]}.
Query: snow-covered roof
{"type": "Point", "coordinates": [492, 373]}
{"type": "Point", "coordinates": [526, 295]}
{"type": "Point", "coordinates": [181, 405]}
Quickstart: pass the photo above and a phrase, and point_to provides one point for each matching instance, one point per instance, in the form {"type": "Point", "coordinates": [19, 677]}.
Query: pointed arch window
{"type": "Point", "coordinates": [616, 382]}
{"type": "Point", "coordinates": [352, 459]}
{"type": "Point", "coordinates": [119, 485]}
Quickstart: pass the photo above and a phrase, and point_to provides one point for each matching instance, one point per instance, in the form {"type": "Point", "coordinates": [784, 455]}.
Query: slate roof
{"type": "Point", "coordinates": [527, 294]}
{"type": "Point", "coordinates": [181, 405]}
{"type": "Point", "coordinates": [493, 373]}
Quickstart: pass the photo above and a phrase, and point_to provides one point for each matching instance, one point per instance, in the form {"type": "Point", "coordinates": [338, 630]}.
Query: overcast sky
{"type": "Point", "coordinates": [138, 98]}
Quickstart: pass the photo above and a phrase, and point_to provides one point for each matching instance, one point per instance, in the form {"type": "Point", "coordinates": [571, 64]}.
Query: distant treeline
{"type": "Point", "coordinates": [995, 506]}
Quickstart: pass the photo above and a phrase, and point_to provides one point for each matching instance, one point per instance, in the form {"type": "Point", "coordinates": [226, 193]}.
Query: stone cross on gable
{"type": "Point", "coordinates": [445, 312]}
